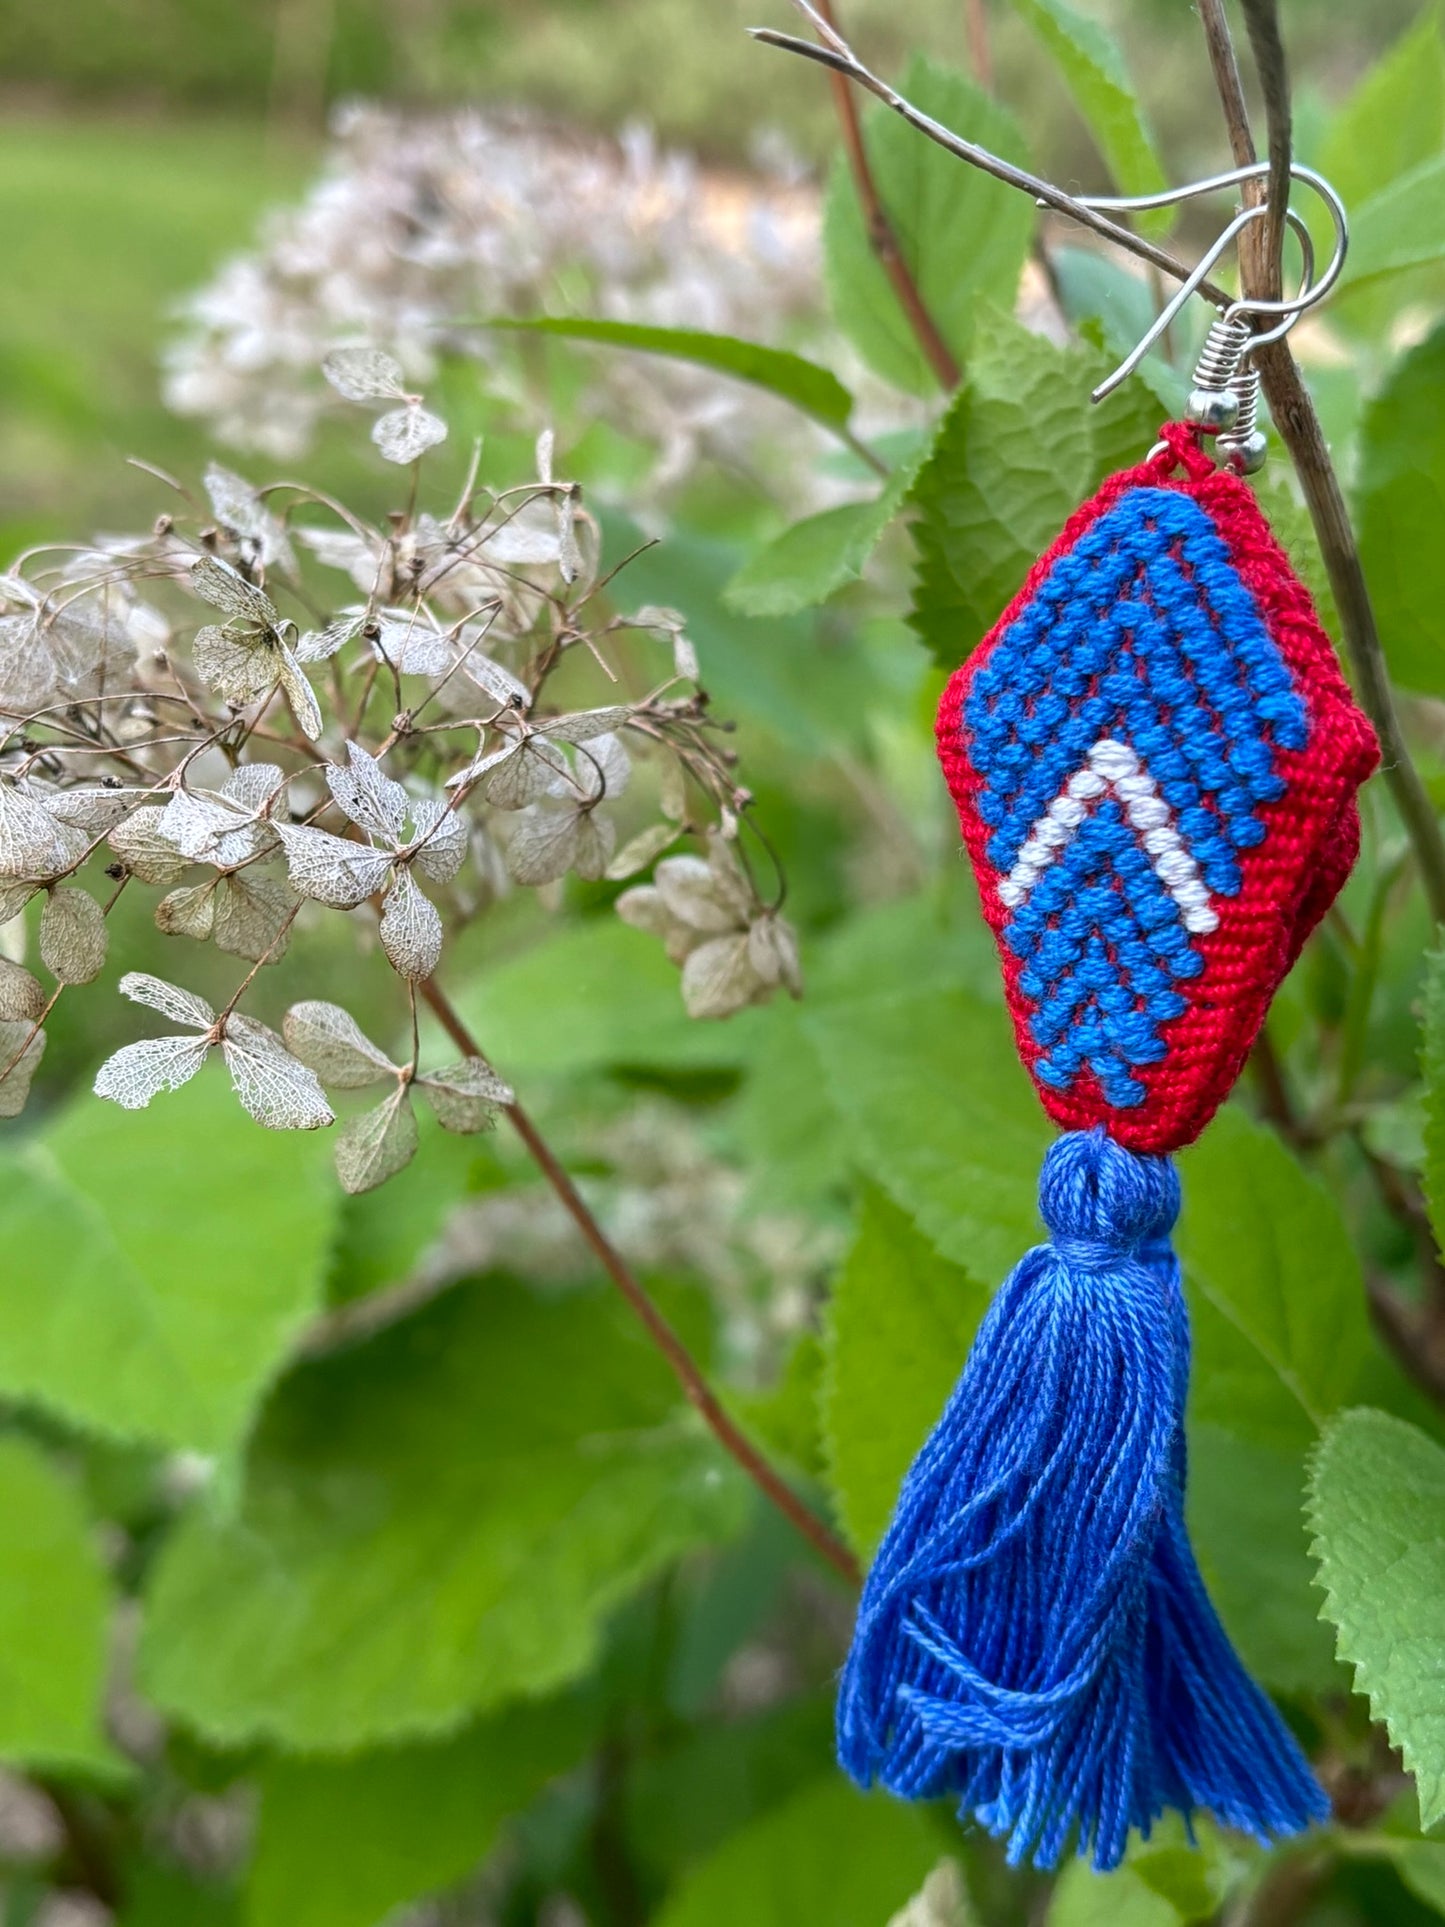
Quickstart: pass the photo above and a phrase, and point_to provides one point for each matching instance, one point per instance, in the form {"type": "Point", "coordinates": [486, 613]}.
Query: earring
{"type": "Point", "coordinates": [1155, 761]}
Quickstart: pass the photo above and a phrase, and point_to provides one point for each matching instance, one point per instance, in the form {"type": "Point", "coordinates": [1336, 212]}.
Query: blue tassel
{"type": "Point", "coordinates": [1034, 1638]}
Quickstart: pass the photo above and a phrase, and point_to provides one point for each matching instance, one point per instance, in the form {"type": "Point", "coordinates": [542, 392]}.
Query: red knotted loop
{"type": "Point", "coordinates": [1184, 449]}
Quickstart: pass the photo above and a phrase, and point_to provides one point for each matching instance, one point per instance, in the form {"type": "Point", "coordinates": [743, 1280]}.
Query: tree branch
{"type": "Point", "coordinates": [733, 1441]}
{"type": "Point", "coordinates": [1299, 426]}
{"type": "Point", "coordinates": [881, 235]}
{"type": "Point", "coordinates": [838, 57]}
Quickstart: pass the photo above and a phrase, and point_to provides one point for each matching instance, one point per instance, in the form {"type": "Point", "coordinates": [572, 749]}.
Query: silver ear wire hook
{"type": "Point", "coordinates": [1225, 398]}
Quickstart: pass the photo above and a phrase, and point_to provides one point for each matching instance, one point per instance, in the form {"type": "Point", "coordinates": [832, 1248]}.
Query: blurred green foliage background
{"type": "Point", "coordinates": [682, 1773]}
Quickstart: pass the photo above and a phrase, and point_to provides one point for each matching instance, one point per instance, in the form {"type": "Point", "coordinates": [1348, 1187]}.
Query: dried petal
{"type": "Point", "coordinates": [411, 929]}
{"type": "Point", "coordinates": [21, 1049]}
{"type": "Point", "coordinates": [378, 1144]}
{"type": "Point", "coordinates": [515, 775]}
{"type": "Point", "coordinates": [13, 899]}
{"type": "Point", "coordinates": [225, 588]}
{"type": "Point", "coordinates": [318, 645]}
{"type": "Point", "coordinates": [411, 646]}
{"type": "Point", "coordinates": [189, 912]}
{"type": "Point", "coordinates": [92, 809]}
{"type": "Point", "coordinates": [773, 952]}
{"type": "Point", "coordinates": [407, 433]}
{"type": "Point", "coordinates": [730, 880]}
{"type": "Point", "coordinates": [144, 851]}
{"type": "Point", "coordinates": [543, 843]}
{"type": "Point", "coordinates": [331, 869]}
{"type": "Point", "coordinates": [467, 1096]}
{"type": "Point", "coordinates": [331, 1041]}
{"type": "Point", "coordinates": [138, 1072]}
{"type": "Point", "coordinates": [31, 846]}
{"type": "Point", "coordinates": [640, 850]}
{"type": "Point", "coordinates": [497, 680]}
{"type": "Point", "coordinates": [374, 802]}
{"type": "Point", "coordinates": [603, 768]}
{"type": "Point", "coordinates": [252, 918]}
{"type": "Point", "coordinates": [300, 694]}
{"type": "Point", "coordinates": [240, 511]}
{"type": "Point", "coordinates": [239, 664]}
{"type": "Point", "coordinates": [181, 1006]}
{"type": "Point", "coordinates": [718, 978]}
{"type": "Point", "coordinates": [364, 374]}
{"type": "Point", "coordinates": [253, 787]}
{"type": "Point", "coordinates": [439, 837]}
{"type": "Point", "coordinates": [277, 1090]}
{"type": "Point", "coordinates": [689, 888]}
{"type": "Point", "coordinates": [588, 723]}
{"type": "Point", "coordinates": [72, 936]}
{"type": "Point", "coordinates": [596, 840]}
{"type": "Point", "coordinates": [21, 996]}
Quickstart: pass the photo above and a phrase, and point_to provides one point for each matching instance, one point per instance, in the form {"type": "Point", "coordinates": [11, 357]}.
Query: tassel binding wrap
{"type": "Point", "coordinates": [1155, 761]}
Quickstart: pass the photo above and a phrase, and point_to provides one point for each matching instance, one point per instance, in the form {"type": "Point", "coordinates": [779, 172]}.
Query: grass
{"type": "Point", "coordinates": [107, 221]}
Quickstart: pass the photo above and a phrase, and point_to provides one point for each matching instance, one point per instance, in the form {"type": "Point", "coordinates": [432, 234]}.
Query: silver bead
{"type": "Point", "coordinates": [1248, 455]}
{"type": "Point", "coordinates": [1215, 410]}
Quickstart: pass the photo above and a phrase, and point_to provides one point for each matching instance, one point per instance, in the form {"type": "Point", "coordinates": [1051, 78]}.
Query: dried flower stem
{"type": "Point", "coordinates": [882, 237]}
{"type": "Point", "coordinates": [1299, 426]}
{"type": "Point", "coordinates": [684, 1365]}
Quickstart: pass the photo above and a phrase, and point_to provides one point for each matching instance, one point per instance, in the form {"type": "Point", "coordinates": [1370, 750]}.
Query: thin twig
{"type": "Point", "coordinates": [701, 1395]}
{"type": "Point", "coordinates": [1299, 426]}
{"type": "Point", "coordinates": [882, 236]}
{"type": "Point", "coordinates": [1267, 236]}
{"type": "Point", "coordinates": [839, 58]}
{"type": "Point", "coordinates": [975, 23]}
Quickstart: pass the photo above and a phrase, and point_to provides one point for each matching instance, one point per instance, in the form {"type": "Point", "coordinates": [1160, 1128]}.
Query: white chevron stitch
{"type": "Point", "coordinates": [1113, 768]}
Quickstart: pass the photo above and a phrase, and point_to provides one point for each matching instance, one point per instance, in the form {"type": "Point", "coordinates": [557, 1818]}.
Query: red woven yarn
{"type": "Point", "coordinates": [1288, 880]}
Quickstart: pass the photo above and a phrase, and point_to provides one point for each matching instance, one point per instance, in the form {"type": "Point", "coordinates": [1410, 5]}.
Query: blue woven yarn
{"type": "Point", "coordinates": [1143, 634]}
{"type": "Point", "coordinates": [1034, 1638]}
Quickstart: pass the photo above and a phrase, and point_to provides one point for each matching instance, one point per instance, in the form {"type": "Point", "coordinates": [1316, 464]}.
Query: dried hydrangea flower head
{"type": "Point", "coordinates": [269, 709]}
{"type": "Point", "coordinates": [417, 225]}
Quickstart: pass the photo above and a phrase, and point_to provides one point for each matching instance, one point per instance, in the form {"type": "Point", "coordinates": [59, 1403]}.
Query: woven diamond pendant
{"type": "Point", "coordinates": [1154, 758]}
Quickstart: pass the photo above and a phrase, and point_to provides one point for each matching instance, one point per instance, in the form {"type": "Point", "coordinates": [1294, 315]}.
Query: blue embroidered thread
{"type": "Point", "coordinates": [1034, 1638]}
{"type": "Point", "coordinates": [1143, 639]}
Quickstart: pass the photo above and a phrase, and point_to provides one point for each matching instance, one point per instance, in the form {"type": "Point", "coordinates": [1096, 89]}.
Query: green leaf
{"type": "Point", "coordinates": [160, 1264]}
{"type": "Point", "coordinates": [941, 1115]}
{"type": "Point", "coordinates": [1083, 1898]}
{"type": "Point", "coordinates": [829, 1854]}
{"type": "Point", "coordinates": [899, 1325]}
{"type": "Point", "coordinates": [1401, 493]}
{"type": "Point", "coordinates": [778, 675]}
{"type": "Point", "coordinates": [962, 235]}
{"type": "Point", "coordinates": [1093, 66]}
{"type": "Point", "coordinates": [434, 1522]}
{"type": "Point", "coordinates": [1377, 1512]}
{"type": "Point", "coordinates": [340, 1843]}
{"type": "Point", "coordinates": [1264, 1243]}
{"type": "Point", "coordinates": [1421, 1865]}
{"type": "Point", "coordinates": [160, 1894]}
{"type": "Point", "coordinates": [383, 1235]}
{"type": "Point", "coordinates": [1403, 226]}
{"type": "Point", "coordinates": [809, 561]}
{"type": "Point", "coordinates": [816, 390]}
{"type": "Point", "coordinates": [684, 1800]}
{"type": "Point", "coordinates": [1393, 121]}
{"type": "Point", "coordinates": [1020, 448]}
{"type": "Point", "coordinates": [1432, 1065]}
{"type": "Point", "coordinates": [1247, 1525]}
{"type": "Point", "coordinates": [594, 997]}
{"type": "Point", "coordinates": [54, 1609]}
{"type": "Point", "coordinates": [1175, 1875]}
